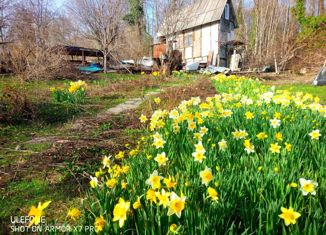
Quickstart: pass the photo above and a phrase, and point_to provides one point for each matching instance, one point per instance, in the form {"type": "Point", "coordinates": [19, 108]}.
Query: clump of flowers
{"type": "Point", "coordinates": [74, 94]}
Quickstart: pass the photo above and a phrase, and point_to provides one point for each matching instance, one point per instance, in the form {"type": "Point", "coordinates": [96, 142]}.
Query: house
{"type": "Point", "coordinates": [202, 32]}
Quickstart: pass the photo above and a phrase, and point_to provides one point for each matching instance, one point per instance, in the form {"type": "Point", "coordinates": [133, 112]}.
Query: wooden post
{"type": "Point", "coordinates": [276, 66]}
{"type": "Point", "coordinates": [83, 58]}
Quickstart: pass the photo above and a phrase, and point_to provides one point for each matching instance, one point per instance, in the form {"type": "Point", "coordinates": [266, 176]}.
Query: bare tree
{"type": "Point", "coordinates": [177, 15]}
{"type": "Point", "coordinates": [31, 52]}
{"type": "Point", "coordinates": [100, 20]}
{"type": "Point", "coordinates": [5, 6]}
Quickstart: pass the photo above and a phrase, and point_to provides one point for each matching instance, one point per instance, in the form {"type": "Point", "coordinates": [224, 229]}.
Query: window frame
{"type": "Point", "coordinates": [189, 43]}
{"type": "Point", "coordinates": [227, 11]}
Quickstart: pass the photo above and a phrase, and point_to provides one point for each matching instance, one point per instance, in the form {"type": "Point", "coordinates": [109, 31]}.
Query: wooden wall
{"type": "Point", "coordinates": [158, 50]}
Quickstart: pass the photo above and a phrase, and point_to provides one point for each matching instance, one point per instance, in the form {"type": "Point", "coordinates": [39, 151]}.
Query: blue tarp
{"type": "Point", "coordinates": [92, 68]}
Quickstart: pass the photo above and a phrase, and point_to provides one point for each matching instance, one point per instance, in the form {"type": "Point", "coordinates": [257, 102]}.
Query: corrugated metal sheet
{"type": "Point", "coordinates": [201, 13]}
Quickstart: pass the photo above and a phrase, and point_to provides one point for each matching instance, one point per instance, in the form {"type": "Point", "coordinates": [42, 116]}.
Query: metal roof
{"type": "Point", "coordinates": [200, 13]}
{"type": "Point", "coordinates": [78, 51]}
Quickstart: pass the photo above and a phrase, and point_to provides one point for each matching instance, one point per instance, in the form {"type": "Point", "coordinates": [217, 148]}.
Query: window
{"type": "Point", "coordinates": [227, 11]}
{"type": "Point", "coordinates": [188, 40]}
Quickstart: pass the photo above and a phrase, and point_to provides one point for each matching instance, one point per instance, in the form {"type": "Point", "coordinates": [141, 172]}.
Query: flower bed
{"type": "Point", "coordinates": [249, 160]}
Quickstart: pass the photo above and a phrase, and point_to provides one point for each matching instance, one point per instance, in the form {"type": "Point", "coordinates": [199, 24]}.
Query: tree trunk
{"type": "Point", "coordinates": [321, 7]}
{"type": "Point", "coordinates": [105, 53]}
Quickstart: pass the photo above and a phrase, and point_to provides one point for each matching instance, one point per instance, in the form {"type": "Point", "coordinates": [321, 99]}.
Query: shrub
{"type": "Point", "coordinates": [15, 105]}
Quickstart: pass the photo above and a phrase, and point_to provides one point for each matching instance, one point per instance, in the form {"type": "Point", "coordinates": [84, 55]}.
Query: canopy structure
{"type": "Point", "coordinates": [78, 51]}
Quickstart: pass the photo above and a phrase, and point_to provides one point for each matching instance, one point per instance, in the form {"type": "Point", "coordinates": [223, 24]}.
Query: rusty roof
{"type": "Point", "coordinates": [200, 13]}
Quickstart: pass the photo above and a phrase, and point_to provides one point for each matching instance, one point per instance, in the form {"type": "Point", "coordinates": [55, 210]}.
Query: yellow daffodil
{"type": "Point", "coordinates": [277, 115]}
{"type": "Point", "coordinates": [137, 204]}
{"type": "Point", "coordinates": [199, 156]}
{"type": "Point", "coordinates": [278, 136]}
{"type": "Point", "coordinates": [174, 229]}
{"type": "Point", "coordinates": [289, 216]}
{"type": "Point", "coordinates": [120, 155]}
{"type": "Point", "coordinates": [93, 182]}
{"type": "Point", "coordinates": [161, 159]}
{"type": "Point", "coordinates": [169, 182]}
{"type": "Point", "coordinates": [203, 130]}
{"type": "Point", "coordinates": [293, 185]}
{"type": "Point", "coordinates": [143, 118]}
{"type": "Point", "coordinates": [74, 214]}
{"type": "Point", "coordinates": [288, 147]}
{"type": "Point", "coordinates": [111, 183]}
{"type": "Point", "coordinates": [249, 115]}
{"type": "Point", "coordinates": [275, 148]}
{"type": "Point", "coordinates": [154, 180]}
{"type": "Point", "coordinates": [240, 134]}
{"type": "Point", "coordinates": [249, 147]}
{"type": "Point", "coordinates": [37, 212]}
{"type": "Point", "coordinates": [125, 169]}
{"type": "Point", "coordinates": [124, 185]}
{"type": "Point", "coordinates": [99, 173]}
{"type": "Point", "coordinates": [199, 147]}
{"type": "Point", "coordinates": [99, 224]}
{"type": "Point", "coordinates": [191, 125]}
{"type": "Point", "coordinates": [212, 193]}
{"type": "Point", "coordinates": [206, 176]}
{"type": "Point", "coordinates": [155, 74]}
{"type": "Point", "coordinates": [151, 195]}
{"type": "Point", "coordinates": [262, 136]}
{"type": "Point", "coordinates": [163, 198]}
{"type": "Point", "coordinates": [176, 204]}
{"type": "Point", "coordinates": [159, 143]}
{"type": "Point", "coordinates": [120, 212]}
{"type": "Point", "coordinates": [157, 100]}
{"type": "Point", "coordinates": [226, 113]}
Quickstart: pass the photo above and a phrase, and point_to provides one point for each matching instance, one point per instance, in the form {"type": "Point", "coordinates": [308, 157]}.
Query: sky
{"type": "Point", "coordinates": [58, 3]}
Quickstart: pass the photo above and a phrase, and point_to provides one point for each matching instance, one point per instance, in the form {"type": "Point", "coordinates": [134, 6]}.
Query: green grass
{"type": "Point", "coordinates": [319, 91]}
{"type": "Point", "coordinates": [21, 195]}
{"type": "Point", "coordinates": [116, 77]}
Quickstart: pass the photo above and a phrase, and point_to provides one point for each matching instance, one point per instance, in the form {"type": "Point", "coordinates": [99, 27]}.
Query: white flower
{"type": "Point", "coordinates": [106, 161]}
{"type": "Point", "coordinates": [222, 144]}
{"type": "Point", "coordinates": [275, 122]}
{"type": "Point", "coordinates": [308, 186]}
{"type": "Point", "coordinates": [154, 180]}
{"type": "Point", "coordinates": [315, 134]}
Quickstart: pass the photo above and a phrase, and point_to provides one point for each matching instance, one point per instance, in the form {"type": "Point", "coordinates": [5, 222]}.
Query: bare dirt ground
{"type": "Point", "coordinates": [287, 78]}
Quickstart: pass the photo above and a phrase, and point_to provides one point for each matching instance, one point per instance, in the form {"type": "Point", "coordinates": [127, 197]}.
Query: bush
{"type": "Point", "coordinates": [15, 105]}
